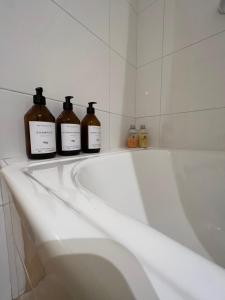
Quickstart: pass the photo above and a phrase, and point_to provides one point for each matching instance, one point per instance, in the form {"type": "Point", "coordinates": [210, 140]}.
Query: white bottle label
{"type": "Point", "coordinates": [42, 137]}
{"type": "Point", "coordinates": [70, 136]}
{"type": "Point", "coordinates": [94, 137]}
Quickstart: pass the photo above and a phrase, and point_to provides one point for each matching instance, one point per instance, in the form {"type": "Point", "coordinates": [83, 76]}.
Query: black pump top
{"type": "Point", "coordinates": [39, 98]}
{"type": "Point", "coordinates": [90, 108]}
{"type": "Point", "coordinates": [67, 105]}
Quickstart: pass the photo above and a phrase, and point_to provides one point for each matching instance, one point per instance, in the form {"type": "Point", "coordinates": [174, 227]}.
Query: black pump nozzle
{"type": "Point", "coordinates": [91, 109]}
{"type": "Point", "coordinates": [67, 105]}
{"type": "Point", "coordinates": [39, 98]}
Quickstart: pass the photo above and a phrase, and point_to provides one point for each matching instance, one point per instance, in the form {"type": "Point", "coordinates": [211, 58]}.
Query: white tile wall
{"type": "Point", "coordinates": [189, 21]}
{"type": "Point", "coordinates": [193, 77]}
{"type": "Point", "coordinates": [185, 79]}
{"type": "Point", "coordinates": [52, 50]}
{"type": "Point", "coordinates": [123, 30]}
{"type": "Point", "coordinates": [64, 47]}
{"type": "Point", "coordinates": [148, 89]}
{"type": "Point", "coordinates": [122, 86]}
{"type": "Point", "coordinates": [93, 14]}
{"type": "Point", "coordinates": [195, 130]}
{"type": "Point", "coordinates": [150, 33]}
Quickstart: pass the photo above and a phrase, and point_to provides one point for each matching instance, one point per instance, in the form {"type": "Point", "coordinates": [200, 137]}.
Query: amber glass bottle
{"type": "Point", "coordinates": [68, 130]}
{"type": "Point", "coordinates": [90, 131]}
{"type": "Point", "coordinates": [40, 129]}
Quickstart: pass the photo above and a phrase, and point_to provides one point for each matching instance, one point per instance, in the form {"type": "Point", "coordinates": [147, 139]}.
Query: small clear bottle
{"type": "Point", "coordinates": [143, 137]}
{"type": "Point", "coordinates": [132, 140]}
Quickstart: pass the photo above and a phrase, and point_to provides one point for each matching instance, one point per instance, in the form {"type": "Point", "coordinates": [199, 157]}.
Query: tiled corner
{"type": "Point", "coordinates": [122, 86]}
{"type": "Point", "coordinates": [150, 33]}
{"type": "Point", "coordinates": [93, 14]}
{"type": "Point", "coordinates": [148, 89]}
{"type": "Point", "coordinates": [204, 130]}
{"type": "Point", "coordinates": [193, 77]}
{"type": "Point", "coordinates": [152, 125]}
{"type": "Point", "coordinates": [119, 127]}
{"type": "Point", "coordinates": [189, 21]}
{"type": "Point", "coordinates": [123, 30]}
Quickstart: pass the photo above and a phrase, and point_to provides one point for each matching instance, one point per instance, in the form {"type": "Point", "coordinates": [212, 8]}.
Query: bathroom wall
{"type": "Point", "coordinates": [84, 48]}
{"type": "Point", "coordinates": [81, 48]}
{"type": "Point", "coordinates": [181, 71]}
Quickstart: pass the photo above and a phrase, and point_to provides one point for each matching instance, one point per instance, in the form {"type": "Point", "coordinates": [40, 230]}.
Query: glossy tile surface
{"type": "Point", "coordinates": [189, 21]}
{"type": "Point", "coordinates": [122, 86]}
{"type": "Point", "coordinates": [150, 33]}
{"type": "Point", "coordinates": [92, 13]}
{"type": "Point", "coordinates": [123, 29]}
{"type": "Point", "coordinates": [148, 89]}
{"type": "Point", "coordinates": [192, 78]}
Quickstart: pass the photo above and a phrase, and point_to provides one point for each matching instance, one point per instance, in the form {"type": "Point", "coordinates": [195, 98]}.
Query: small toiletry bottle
{"type": "Point", "coordinates": [68, 130]}
{"type": "Point", "coordinates": [40, 129]}
{"type": "Point", "coordinates": [90, 131]}
{"type": "Point", "coordinates": [132, 141]}
{"type": "Point", "coordinates": [143, 137]}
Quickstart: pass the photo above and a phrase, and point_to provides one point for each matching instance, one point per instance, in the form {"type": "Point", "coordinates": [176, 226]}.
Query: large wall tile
{"type": "Point", "coordinates": [152, 125]}
{"type": "Point", "coordinates": [204, 130]}
{"type": "Point", "coordinates": [122, 86]}
{"type": "Point", "coordinates": [92, 13]}
{"type": "Point", "coordinates": [119, 127]}
{"type": "Point", "coordinates": [123, 30]}
{"type": "Point", "coordinates": [42, 45]}
{"type": "Point", "coordinates": [148, 89]}
{"type": "Point", "coordinates": [193, 77]}
{"type": "Point", "coordinates": [150, 33]}
{"type": "Point", "coordinates": [142, 4]}
{"type": "Point", "coordinates": [188, 21]}
{"type": "Point", "coordinates": [5, 287]}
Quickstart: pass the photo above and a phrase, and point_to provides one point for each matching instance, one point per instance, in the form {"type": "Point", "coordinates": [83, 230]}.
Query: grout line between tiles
{"type": "Point", "coordinates": [90, 31]}
{"type": "Point", "coordinates": [181, 112]}
{"type": "Point", "coordinates": [60, 101]}
{"type": "Point", "coordinates": [180, 49]}
{"type": "Point", "coordinates": [194, 43]}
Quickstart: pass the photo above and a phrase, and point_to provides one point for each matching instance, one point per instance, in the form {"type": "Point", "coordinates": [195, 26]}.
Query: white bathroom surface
{"type": "Point", "coordinates": [140, 200]}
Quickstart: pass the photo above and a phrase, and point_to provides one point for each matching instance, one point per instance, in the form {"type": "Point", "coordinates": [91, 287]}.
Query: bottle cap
{"type": "Point", "coordinates": [39, 98]}
{"type": "Point", "coordinates": [67, 105]}
{"type": "Point", "coordinates": [132, 126]}
{"type": "Point", "coordinates": [90, 108]}
{"type": "Point", "coordinates": [142, 127]}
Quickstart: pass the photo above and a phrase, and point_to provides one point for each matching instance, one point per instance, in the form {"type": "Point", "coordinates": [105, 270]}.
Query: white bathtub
{"type": "Point", "coordinates": [166, 208]}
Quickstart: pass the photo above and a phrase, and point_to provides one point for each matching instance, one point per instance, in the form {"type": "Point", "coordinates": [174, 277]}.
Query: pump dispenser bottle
{"type": "Point", "coordinates": [90, 131]}
{"type": "Point", "coordinates": [68, 130]}
{"type": "Point", "coordinates": [40, 129]}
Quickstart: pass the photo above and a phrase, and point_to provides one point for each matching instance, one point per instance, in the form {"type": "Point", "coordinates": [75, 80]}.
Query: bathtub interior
{"type": "Point", "coordinates": [179, 193]}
